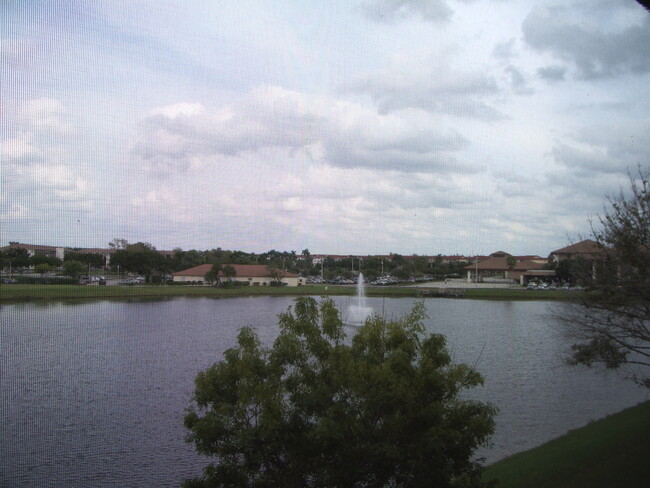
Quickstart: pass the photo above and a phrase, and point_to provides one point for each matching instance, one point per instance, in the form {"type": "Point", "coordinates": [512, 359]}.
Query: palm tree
{"type": "Point", "coordinates": [229, 272]}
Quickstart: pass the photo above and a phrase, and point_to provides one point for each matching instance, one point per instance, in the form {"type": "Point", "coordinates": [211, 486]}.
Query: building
{"type": "Point", "coordinates": [587, 249]}
{"type": "Point", "coordinates": [37, 250]}
{"type": "Point", "coordinates": [253, 274]}
{"type": "Point", "coordinates": [502, 265]}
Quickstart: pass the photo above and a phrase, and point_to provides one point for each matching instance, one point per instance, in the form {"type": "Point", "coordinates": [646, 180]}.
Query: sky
{"type": "Point", "coordinates": [342, 127]}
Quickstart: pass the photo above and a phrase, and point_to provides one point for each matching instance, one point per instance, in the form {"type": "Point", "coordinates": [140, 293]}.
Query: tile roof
{"type": "Point", "coordinates": [20, 245]}
{"type": "Point", "coordinates": [241, 270]}
{"type": "Point", "coordinates": [587, 246]}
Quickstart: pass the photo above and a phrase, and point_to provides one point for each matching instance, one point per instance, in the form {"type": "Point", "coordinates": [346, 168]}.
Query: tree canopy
{"type": "Point", "coordinates": [611, 321]}
{"type": "Point", "coordinates": [320, 409]}
{"type": "Point", "coordinates": [141, 258]}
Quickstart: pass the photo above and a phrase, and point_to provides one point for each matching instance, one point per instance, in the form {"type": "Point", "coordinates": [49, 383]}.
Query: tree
{"type": "Point", "coordinates": [212, 276]}
{"type": "Point", "coordinates": [229, 272]}
{"type": "Point", "coordinates": [37, 259]}
{"type": "Point", "coordinates": [95, 260]}
{"type": "Point", "coordinates": [611, 321]}
{"type": "Point", "coordinates": [572, 270]}
{"type": "Point", "coordinates": [15, 258]}
{"type": "Point", "coordinates": [118, 244]}
{"type": "Point", "coordinates": [74, 269]}
{"type": "Point", "coordinates": [275, 272]}
{"type": "Point", "coordinates": [317, 409]}
{"type": "Point", "coordinates": [141, 258]}
{"type": "Point", "coordinates": [42, 268]}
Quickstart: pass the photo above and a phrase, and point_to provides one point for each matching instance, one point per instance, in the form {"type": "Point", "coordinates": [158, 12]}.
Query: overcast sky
{"type": "Point", "coordinates": [369, 127]}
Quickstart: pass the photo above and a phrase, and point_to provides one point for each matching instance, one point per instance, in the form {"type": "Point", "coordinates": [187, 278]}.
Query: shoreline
{"type": "Point", "coordinates": [16, 293]}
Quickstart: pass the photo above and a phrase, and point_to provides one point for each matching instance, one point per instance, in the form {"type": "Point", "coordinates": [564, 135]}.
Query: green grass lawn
{"type": "Point", "coordinates": [610, 453]}
{"type": "Point", "coordinates": [516, 294]}
{"type": "Point", "coordinates": [16, 292]}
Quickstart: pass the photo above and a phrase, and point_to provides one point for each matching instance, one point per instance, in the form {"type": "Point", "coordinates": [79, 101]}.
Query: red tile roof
{"type": "Point", "coordinates": [241, 270]}
{"type": "Point", "coordinates": [583, 247]}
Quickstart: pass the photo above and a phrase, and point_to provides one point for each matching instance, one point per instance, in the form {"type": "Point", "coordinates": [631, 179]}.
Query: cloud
{"type": "Point", "coordinates": [552, 73]}
{"type": "Point", "coordinates": [321, 130]}
{"type": "Point", "coordinates": [595, 50]}
{"type": "Point", "coordinates": [45, 113]}
{"type": "Point", "coordinates": [436, 87]}
{"type": "Point", "coordinates": [504, 50]}
{"type": "Point", "coordinates": [609, 149]}
{"type": "Point", "coordinates": [20, 148]}
{"type": "Point", "coordinates": [518, 82]}
{"type": "Point", "coordinates": [39, 172]}
{"type": "Point", "coordinates": [392, 10]}
{"type": "Point", "coordinates": [179, 109]}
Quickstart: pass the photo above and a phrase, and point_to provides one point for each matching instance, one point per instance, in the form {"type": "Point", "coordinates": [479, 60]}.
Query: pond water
{"type": "Point", "coordinates": [94, 393]}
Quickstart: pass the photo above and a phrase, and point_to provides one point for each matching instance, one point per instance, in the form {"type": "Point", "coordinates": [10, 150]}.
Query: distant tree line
{"type": "Point", "coordinates": [143, 258]}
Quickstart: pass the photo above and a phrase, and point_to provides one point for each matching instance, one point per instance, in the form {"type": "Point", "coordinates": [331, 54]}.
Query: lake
{"type": "Point", "coordinates": [94, 393]}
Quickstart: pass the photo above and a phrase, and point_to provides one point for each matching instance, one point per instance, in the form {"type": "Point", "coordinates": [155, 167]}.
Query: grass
{"type": "Point", "coordinates": [515, 294]}
{"type": "Point", "coordinates": [611, 452]}
{"type": "Point", "coordinates": [16, 292]}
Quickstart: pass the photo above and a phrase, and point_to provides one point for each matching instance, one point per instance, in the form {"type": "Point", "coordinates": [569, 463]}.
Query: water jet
{"type": "Point", "coordinates": [359, 312]}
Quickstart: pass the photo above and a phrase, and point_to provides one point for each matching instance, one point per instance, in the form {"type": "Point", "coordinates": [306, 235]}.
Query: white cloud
{"type": "Point", "coordinates": [442, 126]}
{"type": "Point", "coordinates": [46, 113]}
{"type": "Point", "coordinates": [327, 131]}
{"type": "Point", "coordinates": [434, 84]}
{"type": "Point", "coordinates": [20, 147]}
{"type": "Point", "coordinates": [179, 109]}
{"type": "Point", "coordinates": [595, 49]}
{"type": "Point", "coordinates": [391, 10]}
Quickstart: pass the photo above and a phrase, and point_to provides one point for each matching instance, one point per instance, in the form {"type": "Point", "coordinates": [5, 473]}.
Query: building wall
{"type": "Point", "coordinates": [252, 280]}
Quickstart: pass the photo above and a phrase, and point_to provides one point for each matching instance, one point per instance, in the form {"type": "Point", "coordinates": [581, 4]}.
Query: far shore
{"type": "Point", "coordinates": [487, 291]}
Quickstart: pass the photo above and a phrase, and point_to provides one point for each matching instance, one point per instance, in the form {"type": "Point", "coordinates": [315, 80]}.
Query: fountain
{"type": "Point", "coordinates": [357, 314]}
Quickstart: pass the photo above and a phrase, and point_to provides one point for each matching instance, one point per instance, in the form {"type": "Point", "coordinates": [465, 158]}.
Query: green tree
{"type": "Point", "coordinates": [141, 258]}
{"type": "Point", "coordinates": [74, 269]}
{"type": "Point", "coordinates": [573, 270]}
{"type": "Point", "coordinates": [611, 321]}
{"type": "Point", "coordinates": [276, 272]}
{"type": "Point", "coordinates": [213, 276]}
{"type": "Point", "coordinates": [15, 258]}
{"type": "Point", "coordinates": [40, 259]}
{"type": "Point", "coordinates": [317, 409]}
{"type": "Point", "coordinates": [229, 272]}
{"type": "Point", "coordinates": [43, 268]}
{"type": "Point", "coordinates": [95, 260]}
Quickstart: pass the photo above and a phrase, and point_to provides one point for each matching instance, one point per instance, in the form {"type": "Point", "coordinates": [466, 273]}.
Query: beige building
{"type": "Point", "coordinates": [587, 249]}
{"type": "Point", "coordinates": [253, 274]}
{"type": "Point", "coordinates": [505, 266]}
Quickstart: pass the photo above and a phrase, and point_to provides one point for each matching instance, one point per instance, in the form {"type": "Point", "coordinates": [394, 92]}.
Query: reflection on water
{"type": "Point", "coordinates": [93, 394]}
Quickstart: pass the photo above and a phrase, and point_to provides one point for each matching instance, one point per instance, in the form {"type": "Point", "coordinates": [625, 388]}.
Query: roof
{"type": "Point", "coordinates": [587, 246]}
{"type": "Point", "coordinates": [90, 250]}
{"type": "Point", "coordinates": [241, 270]}
{"type": "Point", "coordinates": [528, 265]}
{"type": "Point", "coordinates": [531, 257]}
{"type": "Point", "coordinates": [20, 245]}
{"type": "Point", "coordinates": [499, 264]}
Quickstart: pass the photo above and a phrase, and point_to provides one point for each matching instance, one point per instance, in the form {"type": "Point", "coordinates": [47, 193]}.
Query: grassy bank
{"type": "Point", "coordinates": [609, 453]}
{"type": "Point", "coordinates": [13, 292]}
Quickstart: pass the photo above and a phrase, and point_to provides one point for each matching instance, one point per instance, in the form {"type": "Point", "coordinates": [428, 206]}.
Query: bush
{"type": "Point", "coordinates": [50, 280]}
{"type": "Point", "coordinates": [317, 409]}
